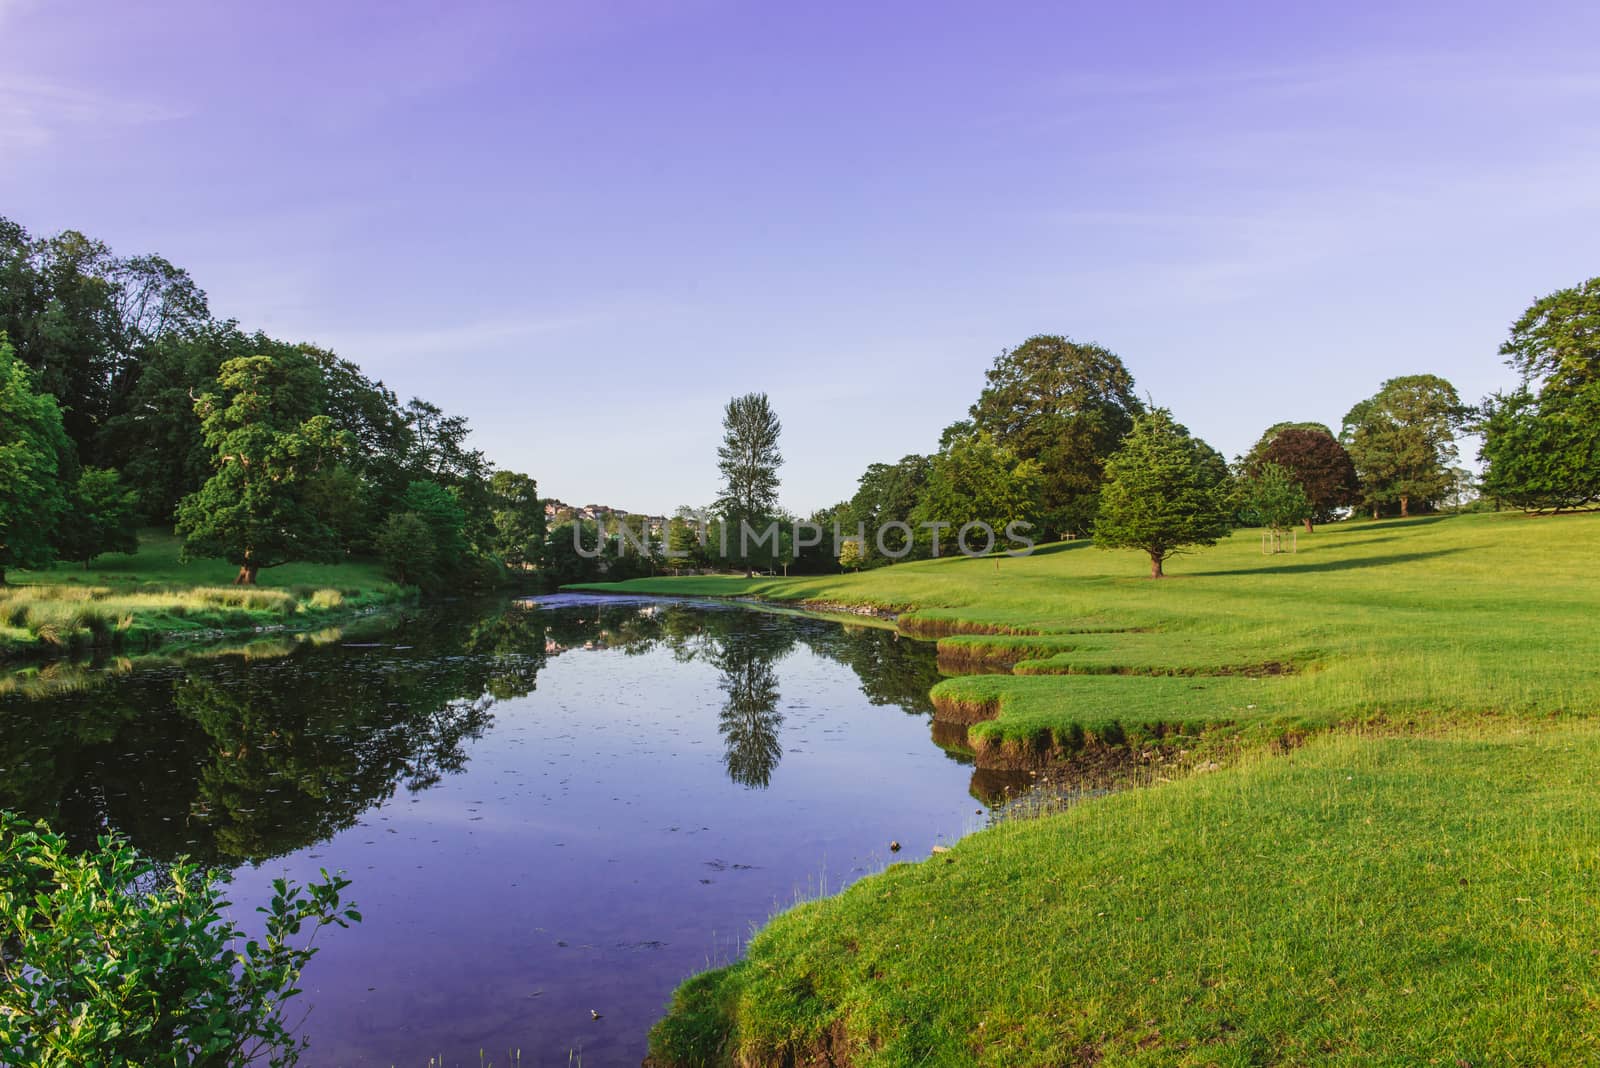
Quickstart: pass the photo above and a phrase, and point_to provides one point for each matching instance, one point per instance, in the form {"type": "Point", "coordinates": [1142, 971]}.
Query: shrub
{"type": "Point", "coordinates": [327, 599]}
{"type": "Point", "coordinates": [180, 989]}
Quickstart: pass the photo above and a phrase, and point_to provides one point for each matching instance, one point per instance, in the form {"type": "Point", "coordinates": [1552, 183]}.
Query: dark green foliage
{"type": "Point", "coordinates": [33, 447]}
{"type": "Point", "coordinates": [267, 443]}
{"type": "Point", "coordinates": [519, 527]}
{"type": "Point", "coordinates": [976, 480]}
{"type": "Point", "coordinates": [1066, 405]}
{"type": "Point", "coordinates": [406, 547]}
{"type": "Point", "coordinates": [101, 517]}
{"type": "Point", "coordinates": [441, 511]}
{"type": "Point", "coordinates": [1162, 492]}
{"type": "Point", "coordinates": [1542, 441]}
{"type": "Point", "coordinates": [183, 986]}
{"type": "Point", "coordinates": [887, 493]}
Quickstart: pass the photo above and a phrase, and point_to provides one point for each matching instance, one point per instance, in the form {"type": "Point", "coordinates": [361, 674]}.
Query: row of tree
{"type": "Point", "coordinates": [1059, 439]}
{"type": "Point", "coordinates": [124, 401]}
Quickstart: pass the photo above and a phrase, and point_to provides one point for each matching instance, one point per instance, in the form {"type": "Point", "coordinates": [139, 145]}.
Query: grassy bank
{"type": "Point", "coordinates": [1361, 901]}
{"type": "Point", "coordinates": [151, 598]}
{"type": "Point", "coordinates": [1424, 620]}
{"type": "Point", "coordinates": [1413, 882]}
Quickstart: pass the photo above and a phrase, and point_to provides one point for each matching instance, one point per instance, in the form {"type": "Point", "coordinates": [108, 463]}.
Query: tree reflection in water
{"type": "Point", "coordinates": [241, 758]}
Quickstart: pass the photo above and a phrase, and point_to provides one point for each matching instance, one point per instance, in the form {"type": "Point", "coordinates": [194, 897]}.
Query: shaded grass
{"type": "Point", "coordinates": [152, 597]}
{"type": "Point", "coordinates": [1364, 900]}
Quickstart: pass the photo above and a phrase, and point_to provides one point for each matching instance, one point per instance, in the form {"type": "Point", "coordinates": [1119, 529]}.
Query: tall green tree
{"type": "Point", "coordinates": [748, 460]}
{"type": "Point", "coordinates": [888, 493]}
{"type": "Point", "coordinates": [976, 480]}
{"type": "Point", "coordinates": [1162, 493]}
{"type": "Point", "coordinates": [267, 442]}
{"type": "Point", "coordinates": [32, 446]}
{"type": "Point", "coordinates": [1275, 497]}
{"type": "Point", "coordinates": [1402, 441]}
{"type": "Point", "coordinates": [518, 518]}
{"type": "Point", "coordinates": [1541, 441]}
{"type": "Point", "coordinates": [1066, 405]}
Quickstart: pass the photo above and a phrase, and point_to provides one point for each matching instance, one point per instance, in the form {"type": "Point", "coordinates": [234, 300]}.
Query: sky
{"type": "Point", "coordinates": [586, 225]}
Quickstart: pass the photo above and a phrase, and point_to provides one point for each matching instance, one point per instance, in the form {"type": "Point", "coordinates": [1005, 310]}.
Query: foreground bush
{"type": "Point", "coordinates": [108, 957]}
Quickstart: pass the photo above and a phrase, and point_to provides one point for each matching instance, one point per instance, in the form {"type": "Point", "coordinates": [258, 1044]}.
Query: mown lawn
{"type": "Point", "coordinates": [1361, 901]}
{"type": "Point", "coordinates": [1417, 883]}
{"type": "Point", "coordinates": [1423, 619]}
{"type": "Point", "coordinates": [152, 597]}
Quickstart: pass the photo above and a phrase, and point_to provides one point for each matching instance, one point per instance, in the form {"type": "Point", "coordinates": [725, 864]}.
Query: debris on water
{"type": "Point", "coordinates": [894, 847]}
{"type": "Point", "coordinates": [594, 1014]}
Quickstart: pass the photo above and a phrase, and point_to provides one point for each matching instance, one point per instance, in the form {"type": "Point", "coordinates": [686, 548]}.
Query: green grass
{"type": "Point", "coordinates": [1417, 883]}
{"type": "Point", "coordinates": [1361, 901]}
{"type": "Point", "coordinates": [151, 598]}
{"type": "Point", "coordinates": [1426, 619]}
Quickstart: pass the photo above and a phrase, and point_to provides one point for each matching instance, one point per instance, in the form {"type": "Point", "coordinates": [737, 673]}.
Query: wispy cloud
{"type": "Point", "coordinates": [34, 112]}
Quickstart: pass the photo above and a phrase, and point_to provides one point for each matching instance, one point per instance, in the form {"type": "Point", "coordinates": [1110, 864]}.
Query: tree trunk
{"type": "Point", "coordinates": [1308, 524]}
{"type": "Point", "coordinates": [1374, 511]}
{"type": "Point", "coordinates": [246, 576]}
{"type": "Point", "coordinates": [2, 576]}
{"type": "Point", "coordinates": [1405, 506]}
{"type": "Point", "coordinates": [1155, 567]}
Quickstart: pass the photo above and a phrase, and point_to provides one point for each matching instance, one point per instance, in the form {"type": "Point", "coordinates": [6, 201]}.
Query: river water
{"type": "Point", "coordinates": [548, 808]}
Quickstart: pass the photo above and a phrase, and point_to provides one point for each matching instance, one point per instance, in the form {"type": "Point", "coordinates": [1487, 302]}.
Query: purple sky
{"type": "Point", "coordinates": [586, 225]}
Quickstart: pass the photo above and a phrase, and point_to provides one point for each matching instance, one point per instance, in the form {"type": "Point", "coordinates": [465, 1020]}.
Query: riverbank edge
{"type": "Point", "coordinates": [151, 633]}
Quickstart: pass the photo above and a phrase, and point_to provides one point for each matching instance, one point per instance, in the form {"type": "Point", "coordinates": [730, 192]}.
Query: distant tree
{"type": "Point", "coordinates": [1402, 441]}
{"type": "Point", "coordinates": [267, 443]}
{"type": "Point", "coordinates": [32, 445]}
{"type": "Point", "coordinates": [518, 518]}
{"type": "Point", "coordinates": [1541, 441]}
{"type": "Point", "coordinates": [1161, 493]}
{"type": "Point", "coordinates": [1065, 405]}
{"type": "Point", "coordinates": [850, 555]}
{"type": "Point", "coordinates": [749, 460]}
{"type": "Point", "coordinates": [564, 562]}
{"type": "Point", "coordinates": [101, 517]}
{"type": "Point", "coordinates": [1315, 460]}
{"type": "Point", "coordinates": [405, 545]}
{"type": "Point", "coordinates": [977, 480]}
{"type": "Point", "coordinates": [887, 493]}
{"type": "Point", "coordinates": [1275, 497]}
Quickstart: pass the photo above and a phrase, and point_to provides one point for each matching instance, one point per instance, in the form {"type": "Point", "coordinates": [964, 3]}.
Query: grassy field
{"type": "Point", "coordinates": [1403, 621]}
{"type": "Point", "coordinates": [151, 598]}
{"type": "Point", "coordinates": [1416, 882]}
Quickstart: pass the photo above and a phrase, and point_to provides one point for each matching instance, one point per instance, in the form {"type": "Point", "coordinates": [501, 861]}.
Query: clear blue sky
{"type": "Point", "coordinates": [586, 225]}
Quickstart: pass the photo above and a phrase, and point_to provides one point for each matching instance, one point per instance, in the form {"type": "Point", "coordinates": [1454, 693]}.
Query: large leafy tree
{"type": "Point", "coordinates": [519, 526]}
{"type": "Point", "coordinates": [1402, 441]}
{"type": "Point", "coordinates": [976, 480]}
{"type": "Point", "coordinates": [748, 460]}
{"type": "Point", "coordinates": [1162, 493]}
{"type": "Point", "coordinates": [1315, 460]}
{"type": "Point", "coordinates": [268, 441]}
{"type": "Point", "coordinates": [1541, 442]}
{"type": "Point", "coordinates": [1066, 405]}
{"type": "Point", "coordinates": [32, 447]}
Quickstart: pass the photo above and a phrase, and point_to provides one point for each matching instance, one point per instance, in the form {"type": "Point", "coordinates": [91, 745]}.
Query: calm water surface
{"type": "Point", "coordinates": [546, 807]}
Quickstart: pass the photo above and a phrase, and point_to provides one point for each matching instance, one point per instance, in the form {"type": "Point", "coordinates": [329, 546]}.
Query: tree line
{"type": "Point", "coordinates": [1058, 438]}
{"type": "Point", "coordinates": [124, 401]}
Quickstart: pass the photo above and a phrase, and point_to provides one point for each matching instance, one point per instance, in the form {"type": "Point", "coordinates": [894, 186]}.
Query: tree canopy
{"type": "Point", "coordinates": [1065, 405]}
{"type": "Point", "coordinates": [1402, 441]}
{"type": "Point", "coordinates": [32, 447]}
{"type": "Point", "coordinates": [748, 460]}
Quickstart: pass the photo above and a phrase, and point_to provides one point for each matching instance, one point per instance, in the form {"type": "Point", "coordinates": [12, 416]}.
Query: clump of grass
{"type": "Point", "coordinates": [325, 599]}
